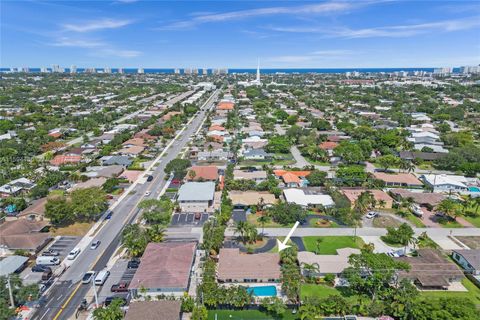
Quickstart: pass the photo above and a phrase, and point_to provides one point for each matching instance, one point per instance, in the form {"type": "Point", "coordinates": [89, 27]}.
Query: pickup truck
{"type": "Point", "coordinates": [120, 287]}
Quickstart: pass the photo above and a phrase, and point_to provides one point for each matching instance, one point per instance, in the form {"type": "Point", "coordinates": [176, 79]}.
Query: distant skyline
{"type": "Point", "coordinates": [235, 34]}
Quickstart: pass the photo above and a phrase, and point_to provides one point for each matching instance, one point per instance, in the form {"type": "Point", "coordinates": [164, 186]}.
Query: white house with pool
{"type": "Point", "coordinates": [259, 272]}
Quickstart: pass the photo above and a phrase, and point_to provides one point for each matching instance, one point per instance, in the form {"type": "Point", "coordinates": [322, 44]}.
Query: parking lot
{"type": "Point", "coordinates": [188, 219]}
{"type": "Point", "coordinates": [118, 273]}
{"type": "Point", "coordinates": [63, 245]}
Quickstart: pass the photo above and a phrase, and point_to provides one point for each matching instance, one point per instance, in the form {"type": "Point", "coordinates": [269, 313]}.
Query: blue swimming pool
{"type": "Point", "coordinates": [474, 189]}
{"type": "Point", "coordinates": [264, 291]}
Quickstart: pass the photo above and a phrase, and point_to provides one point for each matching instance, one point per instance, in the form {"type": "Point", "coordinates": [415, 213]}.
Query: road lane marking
{"type": "Point", "coordinates": [67, 302]}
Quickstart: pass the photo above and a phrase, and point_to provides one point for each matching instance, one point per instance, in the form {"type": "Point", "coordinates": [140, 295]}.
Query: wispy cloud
{"type": "Point", "coordinates": [96, 25]}
{"type": "Point", "coordinates": [389, 31]}
{"type": "Point", "coordinates": [322, 8]}
{"type": "Point", "coordinates": [78, 43]}
{"type": "Point", "coordinates": [111, 52]}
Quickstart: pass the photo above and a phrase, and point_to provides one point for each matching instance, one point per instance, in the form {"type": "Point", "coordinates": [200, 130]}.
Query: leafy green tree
{"type": "Point", "coordinates": [58, 211]}
{"type": "Point", "coordinates": [87, 203]}
{"type": "Point", "coordinates": [350, 152]}
{"type": "Point", "coordinates": [178, 167]}
{"type": "Point", "coordinates": [388, 161]}
{"type": "Point", "coordinates": [135, 239]}
{"type": "Point", "coordinates": [351, 175]}
{"type": "Point", "coordinates": [278, 144]}
{"type": "Point", "coordinates": [274, 306]}
{"type": "Point", "coordinates": [285, 213]}
{"type": "Point", "coordinates": [112, 312]}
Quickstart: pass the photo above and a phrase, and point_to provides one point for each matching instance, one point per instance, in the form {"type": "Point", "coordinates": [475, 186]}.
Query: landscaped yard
{"type": "Point", "coordinates": [322, 223]}
{"type": "Point", "coordinates": [383, 221]}
{"type": "Point", "coordinates": [317, 290]}
{"type": "Point", "coordinates": [76, 229]}
{"type": "Point", "coordinates": [415, 220]}
{"type": "Point", "coordinates": [329, 245]}
{"type": "Point", "coordinates": [247, 315]}
{"type": "Point", "coordinates": [473, 220]}
{"type": "Point", "coordinates": [472, 242]}
{"type": "Point", "coordinates": [472, 294]}
{"type": "Point", "coordinates": [252, 218]}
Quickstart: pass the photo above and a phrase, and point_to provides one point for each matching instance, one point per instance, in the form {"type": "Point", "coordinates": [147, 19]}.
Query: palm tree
{"type": "Point", "coordinates": [263, 219]}
{"type": "Point", "coordinates": [112, 312]}
{"type": "Point", "coordinates": [308, 312]}
{"type": "Point", "coordinates": [318, 242]}
{"type": "Point", "coordinates": [310, 268]}
{"type": "Point", "coordinates": [448, 207]}
{"type": "Point", "coordinates": [251, 233]}
{"type": "Point", "coordinates": [156, 233]}
{"type": "Point", "coordinates": [241, 228]}
{"type": "Point", "coordinates": [476, 202]}
{"type": "Point", "coordinates": [382, 204]}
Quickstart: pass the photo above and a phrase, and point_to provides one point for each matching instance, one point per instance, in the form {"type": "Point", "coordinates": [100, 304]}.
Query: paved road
{"type": "Point", "coordinates": [302, 162]}
{"type": "Point", "coordinates": [67, 293]}
{"type": "Point", "coordinates": [303, 232]}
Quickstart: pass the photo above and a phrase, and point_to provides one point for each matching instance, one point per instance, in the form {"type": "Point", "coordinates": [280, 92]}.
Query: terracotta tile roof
{"type": "Point", "coordinates": [353, 194]}
{"type": "Point", "coordinates": [235, 265]}
{"type": "Point", "coordinates": [216, 128]}
{"type": "Point", "coordinates": [63, 159]}
{"type": "Point", "coordinates": [23, 234]}
{"type": "Point", "coordinates": [131, 175]}
{"type": "Point", "coordinates": [135, 142]}
{"type": "Point", "coordinates": [225, 105]}
{"type": "Point", "coordinates": [216, 138]}
{"type": "Point", "coordinates": [154, 310]}
{"type": "Point", "coordinates": [203, 172]}
{"type": "Point", "coordinates": [165, 265]}
{"type": "Point", "coordinates": [291, 176]}
{"type": "Point", "coordinates": [55, 135]}
{"type": "Point", "coordinates": [328, 145]}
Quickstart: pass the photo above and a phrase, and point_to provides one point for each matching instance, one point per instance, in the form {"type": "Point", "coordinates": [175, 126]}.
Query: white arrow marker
{"type": "Point", "coordinates": [283, 245]}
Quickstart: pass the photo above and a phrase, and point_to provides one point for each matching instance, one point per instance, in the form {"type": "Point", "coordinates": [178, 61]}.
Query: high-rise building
{"type": "Point", "coordinates": [120, 70]}
{"type": "Point", "coordinates": [13, 69]}
{"type": "Point", "coordinates": [90, 70]}
{"type": "Point", "coordinates": [57, 68]}
{"type": "Point", "coordinates": [204, 71]}
{"type": "Point", "coordinates": [442, 71]}
{"type": "Point", "coordinates": [107, 70]}
{"type": "Point", "coordinates": [470, 69]}
{"type": "Point", "coordinates": [187, 71]}
{"type": "Point", "coordinates": [26, 69]}
{"type": "Point", "coordinates": [73, 69]}
{"type": "Point", "coordinates": [43, 70]}
{"type": "Point", "coordinates": [140, 71]}
{"type": "Point", "coordinates": [176, 71]}
{"type": "Point", "coordinates": [195, 71]}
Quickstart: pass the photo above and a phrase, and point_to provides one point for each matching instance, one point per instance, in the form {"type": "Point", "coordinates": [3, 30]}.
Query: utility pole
{"type": "Point", "coordinates": [95, 291]}
{"type": "Point", "coordinates": [10, 293]}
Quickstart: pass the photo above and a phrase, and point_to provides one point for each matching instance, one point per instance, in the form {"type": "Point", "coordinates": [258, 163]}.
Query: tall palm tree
{"type": "Point", "coordinates": [310, 268]}
{"type": "Point", "coordinates": [263, 219]}
{"type": "Point", "coordinates": [448, 207]}
{"type": "Point", "coordinates": [241, 228]}
{"type": "Point", "coordinates": [251, 232]}
{"type": "Point", "coordinates": [156, 233]}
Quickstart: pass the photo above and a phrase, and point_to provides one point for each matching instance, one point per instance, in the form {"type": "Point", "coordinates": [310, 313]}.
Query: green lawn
{"type": "Point", "coordinates": [473, 220]}
{"type": "Point", "coordinates": [451, 224]}
{"type": "Point", "coordinates": [472, 294]}
{"type": "Point", "coordinates": [247, 315]}
{"type": "Point", "coordinates": [329, 245]}
{"type": "Point", "coordinates": [415, 220]}
{"type": "Point", "coordinates": [328, 224]}
{"type": "Point", "coordinates": [317, 290]}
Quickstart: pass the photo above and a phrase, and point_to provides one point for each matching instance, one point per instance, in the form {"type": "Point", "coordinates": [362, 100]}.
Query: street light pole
{"type": "Point", "coordinates": [95, 291]}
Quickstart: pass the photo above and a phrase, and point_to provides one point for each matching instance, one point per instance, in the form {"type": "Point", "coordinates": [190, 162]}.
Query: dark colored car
{"type": "Point", "coordinates": [46, 275]}
{"type": "Point", "coordinates": [198, 215]}
{"type": "Point", "coordinates": [40, 268]}
{"type": "Point", "coordinates": [109, 300]}
{"type": "Point", "coordinates": [109, 214]}
{"type": "Point", "coordinates": [51, 253]}
{"type": "Point", "coordinates": [149, 178]}
{"type": "Point", "coordinates": [120, 287]}
{"type": "Point", "coordinates": [133, 264]}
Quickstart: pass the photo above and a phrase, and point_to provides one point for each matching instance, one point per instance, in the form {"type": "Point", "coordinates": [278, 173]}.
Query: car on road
{"type": "Point", "coordinates": [95, 244]}
{"type": "Point", "coordinates": [147, 193]}
{"type": "Point", "coordinates": [40, 268]}
{"type": "Point", "coordinates": [101, 277]}
{"type": "Point", "coordinates": [50, 253]}
{"type": "Point", "coordinates": [120, 287]}
{"type": "Point", "coordinates": [109, 214]}
{"type": "Point", "coordinates": [109, 300]}
{"type": "Point", "coordinates": [371, 214]}
{"type": "Point", "coordinates": [73, 254]}
{"type": "Point", "coordinates": [88, 276]}
{"type": "Point", "coordinates": [133, 264]}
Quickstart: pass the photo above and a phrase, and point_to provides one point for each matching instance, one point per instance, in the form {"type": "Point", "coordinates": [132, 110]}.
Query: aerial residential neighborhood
{"type": "Point", "coordinates": [276, 193]}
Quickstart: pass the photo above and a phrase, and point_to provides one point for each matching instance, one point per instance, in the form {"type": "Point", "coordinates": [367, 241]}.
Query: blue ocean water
{"type": "Point", "coordinates": [263, 71]}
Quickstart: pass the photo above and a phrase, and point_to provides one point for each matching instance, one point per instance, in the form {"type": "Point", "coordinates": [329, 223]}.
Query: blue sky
{"type": "Point", "coordinates": [234, 34]}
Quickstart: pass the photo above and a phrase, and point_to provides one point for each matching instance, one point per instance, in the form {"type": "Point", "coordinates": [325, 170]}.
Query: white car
{"type": "Point", "coordinates": [147, 193]}
{"type": "Point", "coordinates": [371, 214]}
{"type": "Point", "coordinates": [73, 254]}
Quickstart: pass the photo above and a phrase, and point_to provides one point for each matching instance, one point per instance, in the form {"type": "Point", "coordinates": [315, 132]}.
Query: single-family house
{"type": "Point", "coordinates": [468, 259]}
{"type": "Point", "coordinates": [123, 161]}
{"type": "Point", "coordinates": [23, 234]}
{"type": "Point", "coordinates": [155, 310]}
{"type": "Point", "coordinates": [16, 187]}
{"type": "Point", "coordinates": [327, 263]}
{"type": "Point", "coordinates": [237, 267]}
{"type": "Point", "coordinates": [398, 179]}
{"type": "Point", "coordinates": [382, 199]}
{"type": "Point", "coordinates": [215, 155]}
{"type": "Point", "coordinates": [164, 269]}
{"type": "Point", "coordinates": [308, 198]}
{"type": "Point", "coordinates": [243, 199]}
{"type": "Point", "coordinates": [292, 179]}
{"type": "Point", "coordinates": [61, 159]}
{"type": "Point", "coordinates": [256, 154]}
{"type": "Point", "coordinates": [257, 175]}
{"type": "Point", "coordinates": [202, 173]}
{"type": "Point", "coordinates": [445, 183]}
{"type": "Point", "coordinates": [196, 196]}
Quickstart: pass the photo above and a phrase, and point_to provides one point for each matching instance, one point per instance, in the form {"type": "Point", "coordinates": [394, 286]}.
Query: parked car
{"type": "Point", "coordinates": [47, 261]}
{"type": "Point", "coordinates": [149, 178]}
{"type": "Point", "coordinates": [87, 277]}
{"type": "Point", "coordinates": [147, 193]}
{"type": "Point", "coordinates": [40, 268]}
{"type": "Point", "coordinates": [44, 285]}
{"type": "Point", "coordinates": [109, 300]}
{"type": "Point", "coordinates": [133, 264]}
{"type": "Point", "coordinates": [416, 210]}
{"type": "Point", "coordinates": [47, 274]}
{"type": "Point", "coordinates": [95, 244]}
{"type": "Point", "coordinates": [50, 253]}
{"type": "Point", "coordinates": [198, 215]}
{"type": "Point", "coordinates": [371, 215]}
{"type": "Point", "coordinates": [73, 254]}
{"type": "Point", "coordinates": [120, 287]}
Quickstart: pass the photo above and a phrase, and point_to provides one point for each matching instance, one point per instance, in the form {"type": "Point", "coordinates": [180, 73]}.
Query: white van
{"type": "Point", "coordinates": [73, 254]}
{"type": "Point", "coordinates": [48, 261]}
{"type": "Point", "coordinates": [101, 277]}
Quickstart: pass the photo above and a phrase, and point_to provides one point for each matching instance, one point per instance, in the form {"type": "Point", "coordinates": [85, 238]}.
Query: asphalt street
{"type": "Point", "coordinates": [65, 296]}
